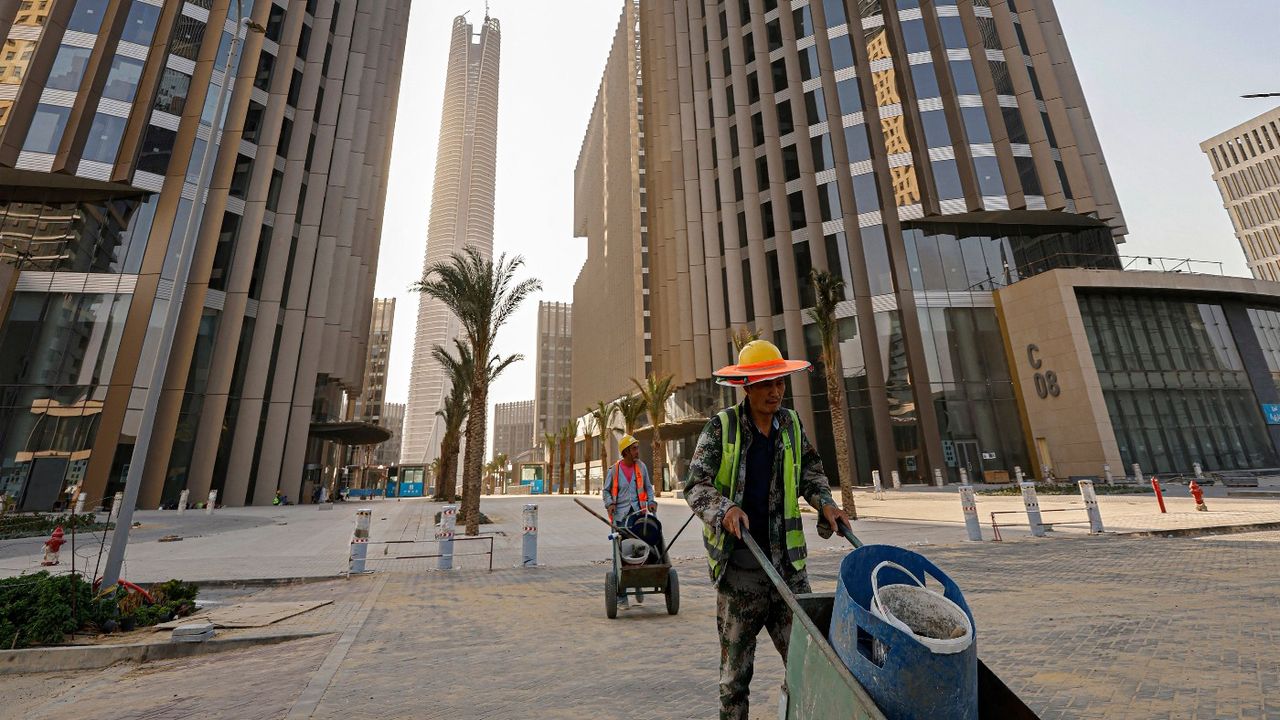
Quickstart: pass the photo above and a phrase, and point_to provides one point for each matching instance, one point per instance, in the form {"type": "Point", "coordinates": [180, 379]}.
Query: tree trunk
{"type": "Point", "coordinates": [564, 451]}
{"type": "Point", "coordinates": [442, 471]}
{"type": "Point", "coordinates": [840, 425]}
{"type": "Point", "coordinates": [659, 462]}
{"type": "Point", "coordinates": [604, 459]}
{"type": "Point", "coordinates": [473, 462]}
{"type": "Point", "coordinates": [573, 458]}
{"type": "Point", "coordinates": [586, 457]}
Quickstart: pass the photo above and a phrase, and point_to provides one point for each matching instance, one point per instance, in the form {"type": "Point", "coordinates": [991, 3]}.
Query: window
{"type": "Point", "coordinates": [171, 96]}
{"type": "Point", "coordinates": [850, 96]}
{"type": "Point", "coordinates": [157, 147]}
{"type": "Point", "coordinates": [46, 129]}
{"type": "Point", "coordinates": [286, 132]}
{"type": "Point", "coordinates": [1013, 121]}
{"type": "Point", "coordinates": [122, 80]}
{"type": "Point", "coordinates": [786, 121]}
{"type": "Point", "coordinates": [925, 80]}
{"type": "Point", "coordinates": [104, 138]}
{"type": "Point", "coordinates": [240, 176]}
{"type": "Point", "coordinates": [140, 25]}
{"type": "Point", "coordinates": [275, 23]}
{"type": "Point", "coordinates": [803, 18]}
{"type": "Point", "coordinates": [953, 33]}
{"type": "Point", "coordinates": [253, 122]}
{"type": "Point", "coordinates": [809, 67]}
{"type": "Point", "coordinates": [757, 128]}
{"type": "Point", "coordinates": [935, 128]}
{"type": "Point", "coordinates": [989, 180]}
{"type": "Point", "coordinates": [779, 75]}
{"type": "Point", "coordinates": [834, 12]}
{"type": "Point", "coordinates": [762, 173]}
{"type": "Point", "coordinates": [790, 163]}
{"type": "Point", "coordinates": [1028, 175]}
{"type": "Point", "coordinates": [187, 36]}
{"type": "Point", "coordinates": [975, 124]}
{"type": "Point", "coordinates": [876, 254]}
{"type": "Point", "coordinates": [865, 193]}
{"type": "Point", "coordinates": [795, 204]}
{"type": "Point", "coordinates": [829, 202]}
{"type": "Point", "coordinates": [815, 107]}
{"type": "Point", "coordinates": [87, 16]}
{"type": "Point", "coordinates": [914, 36]}
{"type": "Point", "coordinates": [964, 77]}
{"type": "Point", "coordinates": [823, 159]}
{"type": "Point", "coordinates": [855, 138]}
{"type": "Point", "coordinates": [841, 52]}
{"type": "Point", "coordinates": [68, 68]}
{"type": "Point", "coordinates": [947, 178]}
{"type": "Point", "coordinates": [804, 267]}
{"type": "Point", "coordinates": [262, 78]}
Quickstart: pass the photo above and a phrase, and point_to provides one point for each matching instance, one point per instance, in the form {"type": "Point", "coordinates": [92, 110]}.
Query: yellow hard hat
{"type": "Point", "coordinates": [625, 442]}
{"type": "Point", "coordinates": [758, 360]}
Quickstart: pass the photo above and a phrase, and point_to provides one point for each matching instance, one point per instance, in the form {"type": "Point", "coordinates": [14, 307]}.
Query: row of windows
{"type": "Point", "coordinates": [1246, 147]}
{"type": "Point", "coordinates": [1256, 211]}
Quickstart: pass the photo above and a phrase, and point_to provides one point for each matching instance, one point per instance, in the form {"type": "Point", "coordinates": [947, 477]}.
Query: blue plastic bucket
{"type": "Point", "coordinates": [907, 679]}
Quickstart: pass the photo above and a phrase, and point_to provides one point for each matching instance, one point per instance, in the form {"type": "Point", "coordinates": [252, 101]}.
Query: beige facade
{"type": "Point", "coordinates": [368, 406]}
{"type": "Point", "coordinates": [461, 216]}
{"type": "Point", "coordinates": [552, 406]}
{"type": "Point", "coordinates": [1074, 386]}
{"type": "Point", "coordinates": [388, 453]}
{"type": "Point", "coordinates": [512, 428]}
{"type": "Point", "coordinates": [104, 126]}
{"type": "Point", "coordinates": [1246, 168]}
{"type": "Point", "coordinates": [610, 297]}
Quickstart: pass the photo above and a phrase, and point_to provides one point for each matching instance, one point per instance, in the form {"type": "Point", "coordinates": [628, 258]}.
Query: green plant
{"type": "Point", "coordinates": [41, 609]}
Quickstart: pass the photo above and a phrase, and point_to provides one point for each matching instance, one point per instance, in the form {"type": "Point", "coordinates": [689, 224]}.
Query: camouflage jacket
{"type": "Point", "coordinates": [707, 502]}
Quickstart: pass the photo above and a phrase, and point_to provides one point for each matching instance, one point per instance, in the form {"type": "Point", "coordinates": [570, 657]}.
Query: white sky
{"type": "Point", "coordinates": [1160, 76]}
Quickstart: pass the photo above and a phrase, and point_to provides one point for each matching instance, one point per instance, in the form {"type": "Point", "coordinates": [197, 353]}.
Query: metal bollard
{"type": "Point", "coordinates": [1106, 474]}
{"type": "Point", "coordinates": [1155, 485]}
{"type": "Point", "coordinates": [897, 481]}
{"type": "Point", "coordinates": [1137, 473]}
{"type": "Point", "coordinates": [969, 503]}
{"type": "Point", "coordinates": [1018, 477]}
{"type": "Point", "coordinates": [359, 542]}
{"type": "Point", "coordinates": [80, 500]}
{"type": "Point", "coordinates": [117, 504]}
{"type": "Point", "coordinates": [875, 482]}
{"type": "Point", "coordinates": [1033, 509]}
{"type": "Point", "coordinates": [937, 477]}
{"type": "Point", "coordinates": [1091, 506]}
{"type": "Point", "coordinates": [530, 536]}
{"type": "Point", "coordinates": [964, 476]}
{"type": "Point", "coordinates": [448, 520]}
{"type": "Point", "coordinates": [182, 501]}
{"type": "Point", "coordinates": [1199, 470]}
{"type": "Point", "coordinates": [213, 501]}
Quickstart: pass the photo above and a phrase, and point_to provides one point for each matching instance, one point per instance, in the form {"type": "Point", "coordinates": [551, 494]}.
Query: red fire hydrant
{"type": "Point", "coordinates": [1198, 495]}
{"type": "Point", "coordinates": [52, 546]}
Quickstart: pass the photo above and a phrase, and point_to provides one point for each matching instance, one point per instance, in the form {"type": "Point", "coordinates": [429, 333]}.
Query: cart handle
{"type": "Point", "coordinates": [847, 532]}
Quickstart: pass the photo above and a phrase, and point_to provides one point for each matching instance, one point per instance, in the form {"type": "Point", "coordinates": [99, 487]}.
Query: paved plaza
{"type": "Point", "coordinates": [1080, 627]}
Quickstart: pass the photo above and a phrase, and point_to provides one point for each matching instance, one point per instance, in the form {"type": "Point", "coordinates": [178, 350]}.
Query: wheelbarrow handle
{"type": "Point", "coordinates": [847, 532]}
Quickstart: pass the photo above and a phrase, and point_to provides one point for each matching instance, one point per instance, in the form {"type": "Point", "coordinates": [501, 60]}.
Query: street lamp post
{"type": "Point", "coordinates": [138, 459]}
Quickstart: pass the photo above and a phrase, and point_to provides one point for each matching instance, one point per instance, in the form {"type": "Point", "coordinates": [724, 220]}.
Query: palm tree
{"type": "Point", "coordinates": [564, 436]}
{"type": "Point", "coordinates": [571, 435]}
{"type": "Point", "coordinates": [828, 290]}
{"type": "Point", "coordinates": [500, 462]}
{"type": "Point", "coordinates": [630, 408]}
{"type": "Point", "coordinates": [655, 391]}
{"type": "Point", "coordinates": [744, 335]}
{"type": "Point", "coordinates": [601, 418]}
{"type": "Point", "coordinates": [483, 294]}
{"type": "Point", "coordinates": [550, 440]}
{"type": "Point", "coordinates": [460, 370]}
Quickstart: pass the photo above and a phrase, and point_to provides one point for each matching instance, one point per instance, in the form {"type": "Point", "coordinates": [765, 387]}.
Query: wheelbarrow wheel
{"type": "Point", "coordinates": [610, 595]}
{"type": "Point", "coordinates": [673, 592]}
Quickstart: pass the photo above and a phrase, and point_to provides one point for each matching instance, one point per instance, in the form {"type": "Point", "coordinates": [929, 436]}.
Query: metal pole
{"type": "Point", "coordinates": [530, 554]}
{"type": "Point", "coordinates": [359, 542]}
{"type": "Point", "coordinates": [448, 521]}
{"type": "Point", "coordinates": [969, 504]}
{"type": "Point", "coordinates": [137, 462]}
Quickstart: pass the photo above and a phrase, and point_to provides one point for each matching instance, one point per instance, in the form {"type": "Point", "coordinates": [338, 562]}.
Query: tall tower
{"type": "Point", "coordinates": [461, 215]}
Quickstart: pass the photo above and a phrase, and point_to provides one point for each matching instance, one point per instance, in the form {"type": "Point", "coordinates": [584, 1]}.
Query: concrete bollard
{"type": "Point", "coordinates": [80, 501]}
{"type": "Point", "coordinates": [964, 476]}
{"type": "Point", "coordinates": [182, 501]}
{"type": "Point", "coordinates": [1106, 474]}
{"type": "Point", "coordinates": [1033, 509]}
{"type": "Point", "coordinates": [937, 477]}
{"type": "Point", "coordinates": [969, 503]}
{"type": "Point", "coordinates": [359, 542]}
{"type": "Point", "coordinates": [117, 503]}
{"type": "Point", "coordinates": [1018, 477]}
{"type": "Point", "coordinates": [1199, 470]}
{"type": "Point", "coordinates": [213, 502]}
{"type": "Point", "coordinates": [897, 481]}
{"type": "Point", "coordinates": [1091, 506]}
{"type": "Point", "coordinates": [448, 521]}
{"type": "Point", "coordinates": [4, 503]}
{"type": "Point", "coordinates": [1044, 473]}
{"type": "Point", "coordinates": [1137, 473]}
{"type": "Point", "coordinates": [530, 558]}
{"type": "Point", "coordinates": [875, 482]}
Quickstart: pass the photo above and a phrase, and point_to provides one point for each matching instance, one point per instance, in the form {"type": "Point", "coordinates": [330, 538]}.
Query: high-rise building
{"type": "Point", "coordinates": [106, 111]}
{"type": "Point", "coordinates": [461, 216]}
{"type": "Point", "coordinates": [925, 153]}
{"type": "Point", "coordinates": [552, 408]}
{"type": "Point", "coordinates": [369, 404]}
{"type": "Point", "coordinates": [611, 339]}
{"type": "Point", "coordinates": [388, 453]}
{"type": "Point", "coordinates": [1246, 166]}
{"type": "Point", "coordinates": [512, 428]}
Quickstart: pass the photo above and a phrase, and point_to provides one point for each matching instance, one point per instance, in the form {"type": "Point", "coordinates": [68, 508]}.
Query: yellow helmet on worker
{"type": "Point", "coordinates": [758, 361]}
{"type": "Point", "coordinates": [625, 442]}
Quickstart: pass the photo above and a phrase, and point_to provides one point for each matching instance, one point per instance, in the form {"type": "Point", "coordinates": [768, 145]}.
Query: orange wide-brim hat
{"type": "Point", "coordinates": [758, 361]}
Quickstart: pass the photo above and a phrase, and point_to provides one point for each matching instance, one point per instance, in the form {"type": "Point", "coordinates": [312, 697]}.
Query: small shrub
{"type": "Point", "coordinates": [42, 609]}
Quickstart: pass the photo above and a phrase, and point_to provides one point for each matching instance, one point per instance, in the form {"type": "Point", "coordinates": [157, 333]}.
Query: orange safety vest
{"type": "Point", "coordinates": [640, 493]}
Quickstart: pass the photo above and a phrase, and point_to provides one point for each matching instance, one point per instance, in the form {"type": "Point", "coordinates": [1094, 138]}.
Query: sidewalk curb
{"type": "Point", "coordinates": [266, 582]}
{"type": "Point", "coordinates": [1203, 531]}
{"type": "Point", "coordinates": [93, 657]}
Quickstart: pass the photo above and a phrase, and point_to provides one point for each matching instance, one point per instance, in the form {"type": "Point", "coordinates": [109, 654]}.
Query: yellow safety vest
{"type": "Point", "coordinates": [718, 542]}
